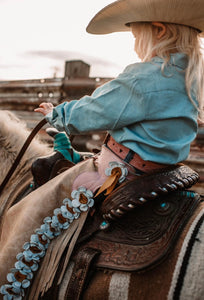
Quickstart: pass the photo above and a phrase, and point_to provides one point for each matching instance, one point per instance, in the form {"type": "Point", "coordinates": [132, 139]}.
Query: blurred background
{"type": "Point", "coordinates": [37, 36]}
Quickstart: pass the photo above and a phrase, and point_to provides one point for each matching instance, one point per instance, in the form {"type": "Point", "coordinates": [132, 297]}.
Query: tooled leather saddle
{"type": "Point", "coordinates": [147, 216]}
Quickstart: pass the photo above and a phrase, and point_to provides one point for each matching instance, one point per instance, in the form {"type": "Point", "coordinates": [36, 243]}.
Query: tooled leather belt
{"type": "Point", "coordinates": [131, 157]}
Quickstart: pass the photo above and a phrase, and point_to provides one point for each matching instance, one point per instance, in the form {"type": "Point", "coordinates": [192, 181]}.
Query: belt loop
{"type": "Point", "coordinates": [129, 156]}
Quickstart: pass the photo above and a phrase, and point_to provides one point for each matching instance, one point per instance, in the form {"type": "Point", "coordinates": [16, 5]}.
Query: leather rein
{"type": "Point", "coordinates": [21, 153]}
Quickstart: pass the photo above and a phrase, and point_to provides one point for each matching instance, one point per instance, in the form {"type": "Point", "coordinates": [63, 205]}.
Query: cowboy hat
{"type": "Point", "coordinates": [116, 16]}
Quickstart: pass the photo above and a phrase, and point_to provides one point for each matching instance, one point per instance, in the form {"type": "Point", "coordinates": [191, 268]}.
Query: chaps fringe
{"type": "Point", "coordinates": [45, 276]}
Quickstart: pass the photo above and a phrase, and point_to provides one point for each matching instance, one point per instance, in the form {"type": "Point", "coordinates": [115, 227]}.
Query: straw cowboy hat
{"type": "Point", "coordinates": [117, 15]}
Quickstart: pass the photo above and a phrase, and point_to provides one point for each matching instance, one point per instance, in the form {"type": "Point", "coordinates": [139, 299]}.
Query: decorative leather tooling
{"type": "Point", "coordinates": [147, 187]}
{"type": "Point", "coordinates": [143, 237]}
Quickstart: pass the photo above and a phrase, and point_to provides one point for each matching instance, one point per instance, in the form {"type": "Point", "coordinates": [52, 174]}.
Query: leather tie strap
{"type": "Point", "coordinates": [21, 153]}
{"type": "Point", "coordinates": [83, 262]}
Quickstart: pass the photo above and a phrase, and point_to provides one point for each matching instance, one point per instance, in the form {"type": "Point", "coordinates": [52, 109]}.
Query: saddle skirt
{"type": "Point", "coordinates": [155, 207]}
{"type": "Point", "coordinates": [144, 237]}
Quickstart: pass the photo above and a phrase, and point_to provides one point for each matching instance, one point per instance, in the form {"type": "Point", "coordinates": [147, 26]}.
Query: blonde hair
{"type": "Point", "coordinates": [177, 38]}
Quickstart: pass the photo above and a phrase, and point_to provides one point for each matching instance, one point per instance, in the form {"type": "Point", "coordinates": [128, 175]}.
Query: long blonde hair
{"type": "Point", "coordinates": [177, 38]}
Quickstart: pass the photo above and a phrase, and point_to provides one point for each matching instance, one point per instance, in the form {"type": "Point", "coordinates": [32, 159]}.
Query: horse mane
{"type": "Point", "coordinates": [13, 133]}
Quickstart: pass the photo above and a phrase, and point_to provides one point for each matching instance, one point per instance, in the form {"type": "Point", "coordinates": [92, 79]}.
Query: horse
{"type": "Point", "coordinates": [148, 250]}
{"type": "Point", "coordinates": [13, 133]}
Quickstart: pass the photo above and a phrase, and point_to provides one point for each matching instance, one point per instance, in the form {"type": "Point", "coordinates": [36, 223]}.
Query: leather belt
{"type": "Point", "coordinates": [131, 157]}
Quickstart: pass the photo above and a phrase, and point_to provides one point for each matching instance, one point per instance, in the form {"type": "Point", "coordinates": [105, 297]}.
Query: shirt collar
{"type": "Point", "coordinates": [179, 60]}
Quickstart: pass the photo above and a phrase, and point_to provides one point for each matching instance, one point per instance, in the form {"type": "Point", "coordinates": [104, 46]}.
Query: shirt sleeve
{"type": "Point", "coordinates": [114, 105]}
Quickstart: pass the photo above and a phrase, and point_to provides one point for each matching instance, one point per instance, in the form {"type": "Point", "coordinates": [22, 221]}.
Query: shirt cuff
{"type": "Point", "coordinates": [48, 117]}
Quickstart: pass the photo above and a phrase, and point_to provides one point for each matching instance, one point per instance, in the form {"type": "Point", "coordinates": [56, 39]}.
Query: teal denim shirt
{"type": "Point", "coordinates": [144, 109]}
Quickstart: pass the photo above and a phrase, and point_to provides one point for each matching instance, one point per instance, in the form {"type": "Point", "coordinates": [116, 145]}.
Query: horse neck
{"type": "Point", "coordinates": [12, 138]}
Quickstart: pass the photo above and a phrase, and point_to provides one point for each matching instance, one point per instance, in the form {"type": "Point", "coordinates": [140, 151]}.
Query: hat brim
{"type": "Point", "coordinates": [116, 16]}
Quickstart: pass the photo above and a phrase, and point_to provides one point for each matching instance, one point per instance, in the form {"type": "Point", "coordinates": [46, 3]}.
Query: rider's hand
{"type": "Point", "coordinates": [44, 108]}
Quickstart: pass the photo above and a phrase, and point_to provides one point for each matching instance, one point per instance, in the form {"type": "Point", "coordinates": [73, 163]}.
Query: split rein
{"type": "Point", "coordinates": [21, 153]}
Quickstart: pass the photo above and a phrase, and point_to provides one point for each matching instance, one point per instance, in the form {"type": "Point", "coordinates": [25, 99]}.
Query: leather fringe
{"type": "Point", "coordinates": [45, 276]}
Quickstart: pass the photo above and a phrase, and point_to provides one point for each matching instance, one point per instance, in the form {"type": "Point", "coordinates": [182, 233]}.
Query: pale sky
{"type": "Point", "coordinates": [37, 36]}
